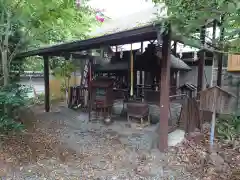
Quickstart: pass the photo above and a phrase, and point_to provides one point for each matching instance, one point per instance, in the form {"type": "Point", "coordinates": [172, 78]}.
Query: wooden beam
{"type": "Point", "coordinates": [201, 60]}
{"type": "Point", "coordinates": [90, 73]}
{"type": "Point", "coordinates": [46, 83]}
{"type": "Point", "coordinates": [220, 59]}
{"type": "Point", "coordinates": [141, 72]}
{"type": "Point", "coordinates": [175, 48]}
{"type": "Point", "coordinates": [141, 47]}
{"type": "Point", "coordinates": [164, 90]}
{"type": "Point", "coordinates": [152, 41]}
{"type": "Point", "coordinates": [214, 58]}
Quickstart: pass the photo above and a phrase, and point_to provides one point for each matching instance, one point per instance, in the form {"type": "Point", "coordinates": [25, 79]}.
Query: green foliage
{"type": "Point", "coordinates": [63, 72]}
{"type": "Point", "coordinates": [26, 24]}
{"type": "Point", "coordinates": [49, 21]}
{"type": "Point", "coordinates": [186, 16]}
{"type": "Point", "coordinates": [228, 127]}
{"type": "Point", "coordinates": [39, 100]}
{"type": "Point", "coordinates": [33, 64]}
{"type": "Point", "coordinates": [31, 24]}
{"type": "Point", "coordinates": [8, 124]}
{"type": "Point", "coordinates": [12, 98]}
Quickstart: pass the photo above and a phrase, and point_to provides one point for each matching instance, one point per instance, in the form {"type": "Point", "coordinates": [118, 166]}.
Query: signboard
{"type": "Point", "coordinates": [100, 92]}
{"type": "Point", "coordinates": [233, 62]}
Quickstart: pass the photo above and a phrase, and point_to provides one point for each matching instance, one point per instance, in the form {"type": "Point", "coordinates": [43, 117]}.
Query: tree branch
{"type": "Point", "coordinates": [13, 54]}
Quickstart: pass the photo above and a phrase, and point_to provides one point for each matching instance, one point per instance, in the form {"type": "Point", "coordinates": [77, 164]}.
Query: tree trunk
{"type": "Point", "coordinates": [5, 75]}
{"type": "Point", "coordinates": [237, 99]}
{"type": "Point", "coordinates": [5, 68]}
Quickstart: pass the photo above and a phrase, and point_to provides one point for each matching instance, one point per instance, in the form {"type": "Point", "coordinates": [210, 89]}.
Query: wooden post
{"type": "Point", "coordinates": [131, 73]}
{"type": "Point", "coordinates": [90, 88]}
{"type": "Point", "coordinates": [214, 44]}
{"type": "Point", "coordinates": [213, 122]}
{"type": "Point", "coordinates": [164, 90]}
{"type": "Point", "coordinates": [201, 61]}
{"type": "Point", "coordinates": [46, 83]}
{"type": "Point", "coordinates": [220, 59]}
{"type": "Point", "coordinates": [175, 48]}
{"type": "Point", "coordinates": [141, 72]}
{"type": "Point", "coordinates": [67, 58]}
{"type": "Point", "coordinates": [174, 51]}
{"type": "Point", "coordinates": [141, 77]}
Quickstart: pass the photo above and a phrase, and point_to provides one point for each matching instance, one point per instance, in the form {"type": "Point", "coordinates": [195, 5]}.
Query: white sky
{"type": "Point", "coordinates": [115, 8]}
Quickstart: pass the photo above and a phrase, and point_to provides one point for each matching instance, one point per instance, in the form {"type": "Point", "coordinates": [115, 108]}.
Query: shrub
{"type": "Point", "coordinates": [228, 127]}
{"type": "Point", "coordinates": [12, 98]}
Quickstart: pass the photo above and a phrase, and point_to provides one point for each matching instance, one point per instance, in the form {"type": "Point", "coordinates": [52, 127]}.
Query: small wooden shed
{"type": "Point", "coordinates": [188, 89]}
{"type": "Point", "coordinates": [102, 91]}
{"type": "Point", "coordinates": [102, 95]}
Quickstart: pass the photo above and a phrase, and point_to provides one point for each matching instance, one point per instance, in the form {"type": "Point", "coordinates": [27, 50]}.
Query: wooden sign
{"type": "Point", "coordinates": [215, 99]}
{"type": "Point", "coordinates": [233, 62]}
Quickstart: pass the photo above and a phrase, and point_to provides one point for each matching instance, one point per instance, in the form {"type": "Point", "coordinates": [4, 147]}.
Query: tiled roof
{"type": "Point", "coordinates": [176, 63]}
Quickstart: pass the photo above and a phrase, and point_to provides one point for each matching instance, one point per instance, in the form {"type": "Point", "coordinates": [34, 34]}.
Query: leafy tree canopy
{"type": "Point", "coordinates": [186, 16]}
{"type": "Point", "coordinates": [47, 21]}
{"type": "Point", "coordinates": [28, 24]}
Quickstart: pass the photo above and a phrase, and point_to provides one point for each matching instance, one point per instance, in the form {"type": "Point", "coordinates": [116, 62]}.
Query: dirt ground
{"type": "Point", "coordinates": [58, 146]}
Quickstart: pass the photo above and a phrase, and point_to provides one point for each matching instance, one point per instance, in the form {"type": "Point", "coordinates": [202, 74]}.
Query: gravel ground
{"type": "Point", "coordinates": [93, 151]}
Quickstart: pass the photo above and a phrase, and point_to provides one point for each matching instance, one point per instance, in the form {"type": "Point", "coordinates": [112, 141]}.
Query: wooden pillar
{"type": "Point", "coordinates": [141, 72]}
{"type": "Point", "coordinates": [214, 53]}
{"type": "Point", "coordinates": [174, 51]}
{"type": "Point", "coordinates": [131, 73]}
{"type": "Point", "coordinates": [201, 61]}
{"type": "Point", "coordinates": [175, 48]}
{"type": "Point", "coordinates": [220, 59]}
{"type": "Point", "coordinates": [142, 80]}
{"type": "Point", "coordinates": [164, 90]}
{"type": "Point", "coordinates": [90, 88]}
{"type": "Point", "coordinates": [46, 83]}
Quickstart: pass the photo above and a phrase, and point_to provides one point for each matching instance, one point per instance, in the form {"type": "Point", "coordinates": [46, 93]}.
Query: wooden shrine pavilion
{"type": "Point", "coordinates": [128, 33]}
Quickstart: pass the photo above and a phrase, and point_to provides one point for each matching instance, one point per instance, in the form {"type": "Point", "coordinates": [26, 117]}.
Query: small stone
{"type": "Point", "coordinates": [143, 170]}
{"type": "Point", "coordinates": [196, 137]}
{"type": "Point", "coordinates": [216, 159]}
{"type": "Point", "coordinates": [207, 178]}
{"type": "Point", "coordinates": [3, 172]}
